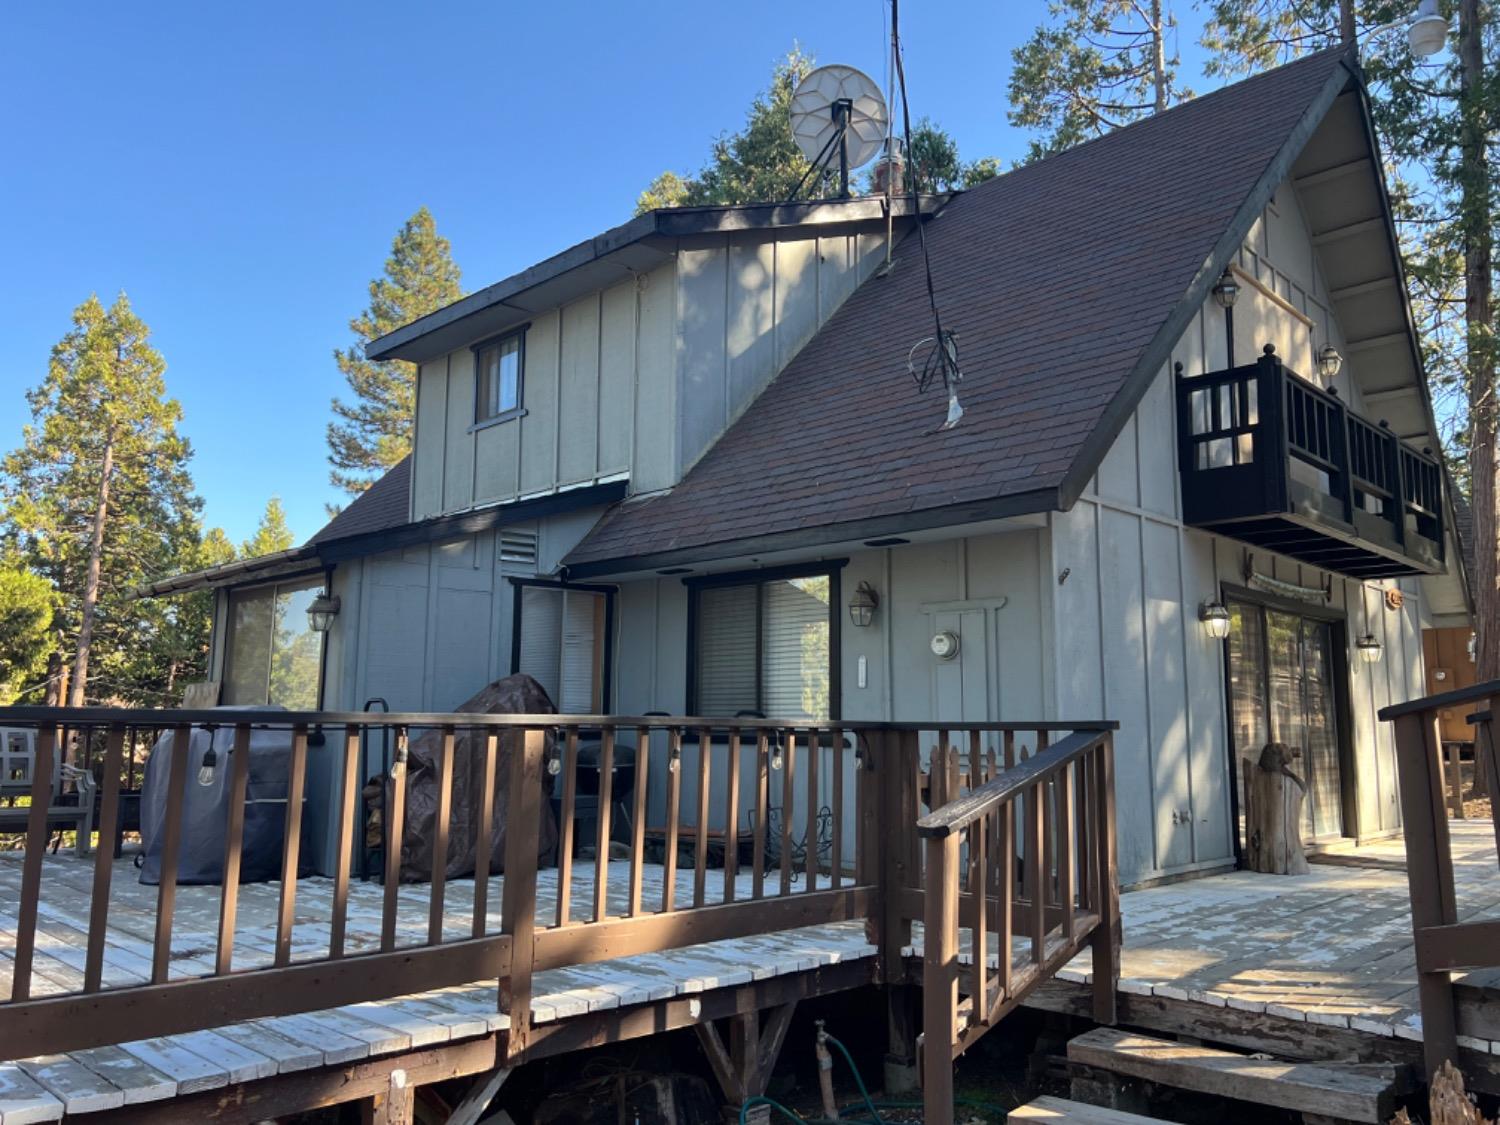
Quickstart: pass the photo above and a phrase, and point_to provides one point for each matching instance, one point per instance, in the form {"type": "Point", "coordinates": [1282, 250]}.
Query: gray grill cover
{"type": "Point", "coordinates": [205, 808]}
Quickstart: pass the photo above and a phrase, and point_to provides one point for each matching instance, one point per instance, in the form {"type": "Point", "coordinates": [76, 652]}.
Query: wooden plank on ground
{"type": "Point", "coordinates": [75, 1085]}
{"type": "Point", "coordinates": [23, 1100]}
{"type": "Point", "coordinates": [1061, 1109]}
{"type": "Point", "coordinates": [1305, 1087]}
{"type": "Point", "coordinates": [139, 1081]}
{"type": "Point", "coordinates": [191, 1071]}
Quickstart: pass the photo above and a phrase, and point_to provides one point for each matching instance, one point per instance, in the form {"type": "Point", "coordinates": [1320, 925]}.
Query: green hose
{"type": "Point", "coordinates": [858, 1080]}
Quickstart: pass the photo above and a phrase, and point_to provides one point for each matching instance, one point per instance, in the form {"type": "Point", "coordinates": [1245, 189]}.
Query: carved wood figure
{"type": "Point", "coordinates": [1273, 812]}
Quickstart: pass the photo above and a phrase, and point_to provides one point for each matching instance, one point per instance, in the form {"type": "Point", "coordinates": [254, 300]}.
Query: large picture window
{"type": "Point", "coordinates": [272, 654]}
{"type": "Point", "coordinates": [766, 645]}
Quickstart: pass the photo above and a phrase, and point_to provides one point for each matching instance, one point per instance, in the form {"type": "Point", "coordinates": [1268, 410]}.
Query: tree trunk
{"type": "Point", "coordinates": [1348, 32]}
{"type": "Point", "coordinates": [1478, 249]}
{"type": "Point", "coordinates": [91, 580]}
{"type": "Point", "coordinates": [1158, 56]}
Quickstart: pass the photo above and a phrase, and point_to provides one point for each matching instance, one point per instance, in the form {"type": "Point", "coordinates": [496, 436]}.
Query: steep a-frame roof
{"type": "Point", "coordinates": [1067, 282]}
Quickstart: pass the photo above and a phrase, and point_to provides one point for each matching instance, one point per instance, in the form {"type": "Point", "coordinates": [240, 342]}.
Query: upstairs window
{"type": "Point", "coordinates": [498, 366]}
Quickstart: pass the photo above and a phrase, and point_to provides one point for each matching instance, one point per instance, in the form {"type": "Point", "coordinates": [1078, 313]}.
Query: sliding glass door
{"type": "Point", "coordinates": [1281, 687]}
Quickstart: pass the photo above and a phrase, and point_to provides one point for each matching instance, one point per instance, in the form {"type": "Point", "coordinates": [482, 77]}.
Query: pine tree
{"type": "Point", "coordinates": [98, 497]}
{"type": "Point", "coordinates": [1096, 65]}
{"type": "Point", "coordinates": [762, 163]}
{"type": "Point", "coordinates": [372, 430]}
{"type": "Point", "coordinates": [26, 605]}
{"type": "Point", "coordinates": [272, 533]}
{"type": "Point", "coordinates": [1434, 119]}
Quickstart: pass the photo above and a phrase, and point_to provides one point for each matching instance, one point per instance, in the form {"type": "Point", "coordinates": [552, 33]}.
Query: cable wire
{"type": "Point", "coordinates": [942, 357]}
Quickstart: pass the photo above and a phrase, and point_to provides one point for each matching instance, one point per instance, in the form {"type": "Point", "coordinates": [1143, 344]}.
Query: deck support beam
{"type": "Point", "coordinates": [743, 1069]}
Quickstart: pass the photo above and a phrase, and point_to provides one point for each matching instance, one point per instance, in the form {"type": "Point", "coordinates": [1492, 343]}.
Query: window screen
{"type": "Point", "coordinates": [764, 647]}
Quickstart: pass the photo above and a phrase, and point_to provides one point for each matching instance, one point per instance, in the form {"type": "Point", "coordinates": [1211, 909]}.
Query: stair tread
{"type": "Point", "coordinates": [1354, 1094]}
{"type": "Point", "coordinates": [1048, 1108]}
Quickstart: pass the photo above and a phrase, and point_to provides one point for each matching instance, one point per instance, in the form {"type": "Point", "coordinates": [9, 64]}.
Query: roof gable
{"type": "Point", "coordinates": [1067, 282]}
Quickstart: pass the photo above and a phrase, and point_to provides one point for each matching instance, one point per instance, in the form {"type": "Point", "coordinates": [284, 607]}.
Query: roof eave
{"type": "Point", "coordinates": [1032, 502]}
{"type": "Point", "coordinates": [406, 342]}
{"type": "Point", "coordinates": [1159, 351]}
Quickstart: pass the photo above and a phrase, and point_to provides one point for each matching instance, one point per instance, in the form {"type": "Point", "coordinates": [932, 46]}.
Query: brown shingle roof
{"type": "Point", "coordinates": [1065, 281]}
{"type": "Point", "coordinates": [384, 505]}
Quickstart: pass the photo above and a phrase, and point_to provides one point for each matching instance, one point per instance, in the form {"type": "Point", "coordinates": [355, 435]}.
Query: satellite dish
{"type": "Point", "coordinates": [838, 113]}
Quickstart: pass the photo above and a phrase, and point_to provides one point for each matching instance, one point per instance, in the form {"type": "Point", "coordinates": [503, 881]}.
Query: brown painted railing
{"type": "Point", "coordinates": [1025, 853]}
{"type": "Point", "coordinates": [866, 781]}
{"type": "Point", "coordinates": [1443, 943]}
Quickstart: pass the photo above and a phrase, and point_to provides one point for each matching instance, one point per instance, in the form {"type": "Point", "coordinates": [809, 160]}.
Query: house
{"type": "Point", "coordinates": [655, 471]}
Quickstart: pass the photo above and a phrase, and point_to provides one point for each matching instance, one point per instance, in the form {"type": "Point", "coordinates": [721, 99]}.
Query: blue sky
{"type": "Point", "coordinates": [240, 170]}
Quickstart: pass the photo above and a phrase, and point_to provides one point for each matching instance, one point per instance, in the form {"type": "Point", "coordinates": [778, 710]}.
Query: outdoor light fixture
{"type": "Point", "coordinates": [209, 765]}
{"type": "Point", "coordinates": [1329, 361]}
{"type": "Point", "coordinates": [1473, 648]}
{"type": "Point", "coordinates": [777, 757]}
{"type": "Point", "coordinates": [1369, 647]}
{"type": "Point", "coordinates": [324, 608]}
{"type": "Point", "coordinates": [1428, 32]}
{"type": "Point", "coordinates": [1215, 619]}
{"type": "Point", "coordinates": [1226, 289]}
{"type": "Point", "coordinates": [862, 604]}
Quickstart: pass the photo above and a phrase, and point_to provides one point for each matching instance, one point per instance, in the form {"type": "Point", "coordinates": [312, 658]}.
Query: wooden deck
{"type": "Point", "coordinates": [174, 1066]}
{"type": "Point", "coordinates": [1331, 950]}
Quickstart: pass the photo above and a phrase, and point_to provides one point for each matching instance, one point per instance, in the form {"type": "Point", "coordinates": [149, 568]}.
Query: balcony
{"type": "Point", "coordinates": [1275, 461]}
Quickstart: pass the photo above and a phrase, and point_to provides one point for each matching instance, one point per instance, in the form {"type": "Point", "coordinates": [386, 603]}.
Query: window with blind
{"type": "Point", "coordinates": [764, 647]}
{"type": "Point", "coordinates": [560, 641]}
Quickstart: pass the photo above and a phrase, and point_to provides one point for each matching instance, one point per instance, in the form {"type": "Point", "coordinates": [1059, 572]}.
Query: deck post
{"type": "Point", "coordinates": [891, 771]}
{"type": "Point", "coordinates": [518, 892]}
{"type": "Point", "coordinates": [1428, 873]}
{"type": "Point", "coordinates": [940, 978]}
{"type": "Point", "coordinates": [1106, 939]}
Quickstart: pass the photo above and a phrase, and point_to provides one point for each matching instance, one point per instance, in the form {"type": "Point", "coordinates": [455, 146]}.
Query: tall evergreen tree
{"type": "Point", "coordinates": [272, 533]}
{"type": "Point", "coordinates": [26, 605]}
{"type": "Point", "coordinates": [762, 163]}
{"type": "Point", "coordinates": [1095, 65]}
{"type": "Point", "coordinates": [1435, 119]}
{"type": "Point", "coordinates": [98, 496]}
{"type": "Point", "coordinates": [371, 431]}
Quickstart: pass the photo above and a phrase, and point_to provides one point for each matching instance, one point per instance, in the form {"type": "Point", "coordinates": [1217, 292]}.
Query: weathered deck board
{"type": "Point", "coordinates": [182, 1064]}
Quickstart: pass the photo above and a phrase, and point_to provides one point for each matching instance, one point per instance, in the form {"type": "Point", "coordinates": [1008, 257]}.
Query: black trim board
{"type": "Point", "coordinates": [1159, 351]}
{"type": "Point", "coordinates": [471, 523]}
{"type": "Point", "coordinates": [1030, 503]}
{"type": "Point", "coordinates": [665, 223]}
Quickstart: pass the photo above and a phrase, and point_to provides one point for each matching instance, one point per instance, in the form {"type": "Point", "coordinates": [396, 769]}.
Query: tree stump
{"type": "Point", "coordinates": [1273, 812]}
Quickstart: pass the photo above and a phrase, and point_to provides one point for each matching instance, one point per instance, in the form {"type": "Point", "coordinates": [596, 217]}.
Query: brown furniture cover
{"type": "Point", "coordinates": [514, 695]}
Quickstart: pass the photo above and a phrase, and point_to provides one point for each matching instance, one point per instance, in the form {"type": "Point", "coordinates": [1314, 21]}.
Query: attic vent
{"type": "Point", "coordinates": [517, 551]}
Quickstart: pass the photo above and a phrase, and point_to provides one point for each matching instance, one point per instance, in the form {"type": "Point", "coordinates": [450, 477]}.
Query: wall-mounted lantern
{"type": "Point", "coordinates": [1329, 361]}
{"type": "Point", "coordinates": [1369, 648]}
{"type": "Point", "coordinates": [322, 611]}
{"type": "Point", "coordinates": [862, 605]}
{"type": "Point", "coordinates": [1215, 619]}
{"type": "Point", "coordinates": [1227, 289]}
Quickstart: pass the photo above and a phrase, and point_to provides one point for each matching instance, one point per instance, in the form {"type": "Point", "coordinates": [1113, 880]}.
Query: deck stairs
{"type": "Point", "coordinates": [1324, 1093]}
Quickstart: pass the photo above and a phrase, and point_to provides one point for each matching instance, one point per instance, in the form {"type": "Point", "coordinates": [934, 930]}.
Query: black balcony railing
{"type": "Point", "coordinates": [1274, 460]}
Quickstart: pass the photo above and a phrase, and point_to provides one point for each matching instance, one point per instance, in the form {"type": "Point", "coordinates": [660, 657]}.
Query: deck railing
{"type": "Point", "coordinates": [1024, 853]}
{"type": "Point", "coordinates": [819, 824]}
{"type": "Point", "coordinates": [1443, 943]}
{"type": "Point", "coordinates": [1258, 442]}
